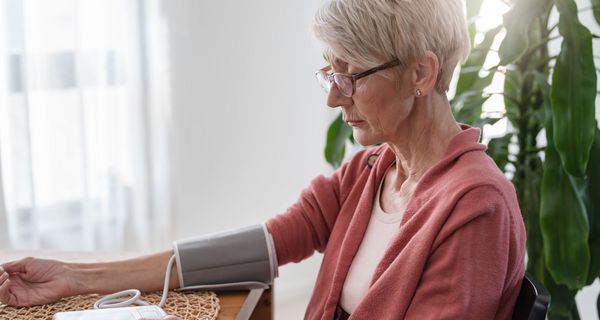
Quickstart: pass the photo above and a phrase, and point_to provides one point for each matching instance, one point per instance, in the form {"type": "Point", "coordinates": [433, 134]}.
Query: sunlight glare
{"type": "Point", "coordinates": [489, 17]}
{"type": "Point", "coordinates": [490, 14]}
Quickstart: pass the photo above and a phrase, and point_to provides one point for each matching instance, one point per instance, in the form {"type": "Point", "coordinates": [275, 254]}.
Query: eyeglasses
{"type": "Point", "coordinates": [346, 82]}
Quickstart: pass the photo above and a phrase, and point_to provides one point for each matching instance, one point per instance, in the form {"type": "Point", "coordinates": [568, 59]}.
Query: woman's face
{"type": "Point", "coordinates": [380, 106]}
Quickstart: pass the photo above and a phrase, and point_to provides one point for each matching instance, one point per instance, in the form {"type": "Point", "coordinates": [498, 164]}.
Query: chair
{"type": "Point", "coordinates": [533, 300]}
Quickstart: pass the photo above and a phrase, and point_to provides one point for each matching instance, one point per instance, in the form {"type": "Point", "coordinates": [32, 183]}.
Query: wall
{"type": "Point", "coordinates": [248, 120]}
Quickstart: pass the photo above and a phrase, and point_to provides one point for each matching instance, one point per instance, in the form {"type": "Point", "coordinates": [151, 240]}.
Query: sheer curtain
{"type": "Point", "coordinates": [83, 124]}
{"type": "Point", "coordinates": [3, 226]}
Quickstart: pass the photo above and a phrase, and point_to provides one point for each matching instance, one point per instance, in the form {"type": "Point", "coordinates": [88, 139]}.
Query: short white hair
{"type": "Point", "coordinates": [366, 33]}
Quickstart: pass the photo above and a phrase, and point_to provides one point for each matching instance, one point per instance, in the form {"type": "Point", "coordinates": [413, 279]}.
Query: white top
{"type": "Point", "coordinates": [380, 231]}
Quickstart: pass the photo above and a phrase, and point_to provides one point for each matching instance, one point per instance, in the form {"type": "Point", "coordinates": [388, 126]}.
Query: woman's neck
{"type": "Point", "coordinates": [423, 140]}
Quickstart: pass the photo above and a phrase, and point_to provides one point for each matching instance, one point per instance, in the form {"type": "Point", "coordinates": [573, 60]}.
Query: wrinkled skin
{"type": "Point", "coordinates": [31, 281]}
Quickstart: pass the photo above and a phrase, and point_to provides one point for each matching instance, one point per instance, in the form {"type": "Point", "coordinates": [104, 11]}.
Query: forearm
{"type": "Point", "coordinates": [146, 273]}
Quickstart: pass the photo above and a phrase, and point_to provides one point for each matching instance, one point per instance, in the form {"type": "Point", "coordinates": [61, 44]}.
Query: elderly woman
{"type": "Point", "coordinates": [423, 226]}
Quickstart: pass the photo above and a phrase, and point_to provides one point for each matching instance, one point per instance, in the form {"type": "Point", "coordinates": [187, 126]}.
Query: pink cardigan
{"type": "Point", "coordinates": [459, 252]}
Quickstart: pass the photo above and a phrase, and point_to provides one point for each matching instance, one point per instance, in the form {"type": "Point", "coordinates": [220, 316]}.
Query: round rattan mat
{"type": "Point", "coordinates": [186, 305]}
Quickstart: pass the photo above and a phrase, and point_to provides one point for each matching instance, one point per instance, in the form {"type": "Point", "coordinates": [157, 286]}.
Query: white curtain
{"type": "Point", "coordinates": [83, 124]}
{"type": "Point", "coordinates": [3, 226]}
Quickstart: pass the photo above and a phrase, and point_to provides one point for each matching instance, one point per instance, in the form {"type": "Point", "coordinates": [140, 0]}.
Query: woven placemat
{"type": "Point", "coordinates": [186, 305]}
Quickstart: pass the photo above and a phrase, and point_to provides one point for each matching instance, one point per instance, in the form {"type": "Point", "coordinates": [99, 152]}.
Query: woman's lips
{"type": "Point", "coordinates": [354, 123]}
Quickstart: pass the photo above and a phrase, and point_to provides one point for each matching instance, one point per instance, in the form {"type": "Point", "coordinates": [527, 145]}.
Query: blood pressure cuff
{"type": "Point", "coordinates": [242, 258]}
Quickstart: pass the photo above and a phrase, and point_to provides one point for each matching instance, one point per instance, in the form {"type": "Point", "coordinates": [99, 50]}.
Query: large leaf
{"type": "Point", "coordinates": [517, 21]}
{"type": "Point", "coordinates": [593, 207]}
{"type": "Point", "coordinates": [470, 69]}
{"type": "Point", "coordinates": [564, 223]}
{"type": "Point", "coordinates": [512, 93]}
{"type": "Point", "coordinates": [335, 148]}
{"type": "Point", "coordinates": [596, 9]}
{"type": "Point", "coordinates": [497, 148]}
{"type": "Point", "coordinates": [574, 92]}
{"type": "Point", "coordinates": [467, 106]}
{"type": "Point", "coordinates": [563, 220]}
{"type": "Point", "coordinates": [469, 96]}
{"type": "Point", "coordinates": [562, 303]}
{"type": "Point", "coordinates": [528, 187]}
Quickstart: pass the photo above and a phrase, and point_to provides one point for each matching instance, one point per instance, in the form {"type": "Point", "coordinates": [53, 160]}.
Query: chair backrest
{"type": "Point", "coordinates": [533, 300]}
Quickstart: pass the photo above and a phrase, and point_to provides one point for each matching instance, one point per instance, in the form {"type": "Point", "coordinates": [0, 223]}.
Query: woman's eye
{"type": "Point", "coordinates": [340, 66]}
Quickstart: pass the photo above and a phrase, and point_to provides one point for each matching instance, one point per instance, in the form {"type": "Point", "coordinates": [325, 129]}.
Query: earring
{"type": "Point", "coordinates": [418, 93]}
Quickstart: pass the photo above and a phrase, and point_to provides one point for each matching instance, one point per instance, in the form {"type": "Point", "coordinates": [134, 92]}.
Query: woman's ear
{"type": "Point", "coordinates": [425, 74]}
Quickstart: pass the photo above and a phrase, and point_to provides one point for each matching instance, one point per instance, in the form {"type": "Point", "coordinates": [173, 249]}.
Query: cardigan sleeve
{"type": "Point", "coordinates": [306, 225]}
{"type": "Point", "coordinates": [476, 258]}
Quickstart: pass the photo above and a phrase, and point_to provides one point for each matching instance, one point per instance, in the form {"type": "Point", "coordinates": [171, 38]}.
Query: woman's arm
{"type": "Point", "coordinates": [33, 281]}
{"type": "Point", "coordinates": [146, 273]}
{"type": "Point", "coordinates": [477, 269]}
{"type": "Point", "coordinates": [306, 225]}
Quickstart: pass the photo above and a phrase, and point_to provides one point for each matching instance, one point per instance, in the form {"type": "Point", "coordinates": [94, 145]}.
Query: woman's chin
{"type": "Point", "coordinates": [363, 138]}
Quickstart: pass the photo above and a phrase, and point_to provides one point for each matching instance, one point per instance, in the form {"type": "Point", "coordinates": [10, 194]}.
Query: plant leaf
{"type": "Point", "coordinates": [335, 147]}
{"type": "Point", "coordinates": [517, 21]}
{"type": "Point", "coordinates": [596, 9]}
{"type": "Point", "coordinates": [562, 298]}
{"type": "Point", "coordinates": [542, 81]}
{"type": "Point", "coordinates": [563, 220]}
{"type": "Point", "coordinates": [474, 63]}
{"type": "Point", "coordinates": [527, 180]}
{"type": "Point", "coordinates": [573, 92]}
{"type": "Point", "coordinates": [467, 106]}
{"type": "Point", "coordinates": [593, 208]}
{"type": "Point", "coordinates": [512, 91]}
{"type": "Point", "coordinates": [564, 225]}
{"type": "Point", "coordinates": [497, 148]}
{"type": "Point", "coordinates": [575, 312]}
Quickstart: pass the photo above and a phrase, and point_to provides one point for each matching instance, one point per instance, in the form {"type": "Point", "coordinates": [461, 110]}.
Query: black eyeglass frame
{"type": "Point", "coordinates": [355, 76]}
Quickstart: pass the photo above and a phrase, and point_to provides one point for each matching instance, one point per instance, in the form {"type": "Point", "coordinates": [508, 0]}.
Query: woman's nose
{"type": "Point", "coordinates": [335, 98]}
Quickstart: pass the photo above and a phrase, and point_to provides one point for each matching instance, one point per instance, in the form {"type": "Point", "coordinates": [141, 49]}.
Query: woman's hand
{"type": "Point", "coordinates": [32, 281]}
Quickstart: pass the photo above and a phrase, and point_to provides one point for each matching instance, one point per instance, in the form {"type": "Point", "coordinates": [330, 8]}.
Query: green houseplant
{"type": "Point", "coordinates": [545, 96]}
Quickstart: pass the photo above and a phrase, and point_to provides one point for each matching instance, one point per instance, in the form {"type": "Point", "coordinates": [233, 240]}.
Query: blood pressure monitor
{"type": "Point", "coordinates": [126, 313]}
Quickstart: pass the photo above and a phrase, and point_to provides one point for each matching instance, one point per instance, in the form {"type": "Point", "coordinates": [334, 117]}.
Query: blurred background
{"type": "Point", "coordinates": [127, 124]}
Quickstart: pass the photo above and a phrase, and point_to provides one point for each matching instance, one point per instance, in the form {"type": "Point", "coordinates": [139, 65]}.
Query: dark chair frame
{"type": "Point", "coordinates": [533, 300]}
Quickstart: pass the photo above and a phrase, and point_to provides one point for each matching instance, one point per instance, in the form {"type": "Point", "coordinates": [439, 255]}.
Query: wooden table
{"type": "Point", "coordinates": [230, 301]}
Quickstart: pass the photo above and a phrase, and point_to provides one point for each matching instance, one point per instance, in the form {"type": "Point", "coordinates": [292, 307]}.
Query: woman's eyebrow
{"type": "Point", "coordinates": [338, 63]}
{"type": "Point", "coordinates": [334, 62]}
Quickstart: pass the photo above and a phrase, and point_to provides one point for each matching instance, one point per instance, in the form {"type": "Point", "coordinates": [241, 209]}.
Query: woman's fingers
{"type": "Point", "coordinates": [3, 279]}
{"type": "Point", "coordinates": [5, 296]}
{"type": "Point", "coordinates": [4, 284]}
{"type": "Point", "coordinates": [15, 266]}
